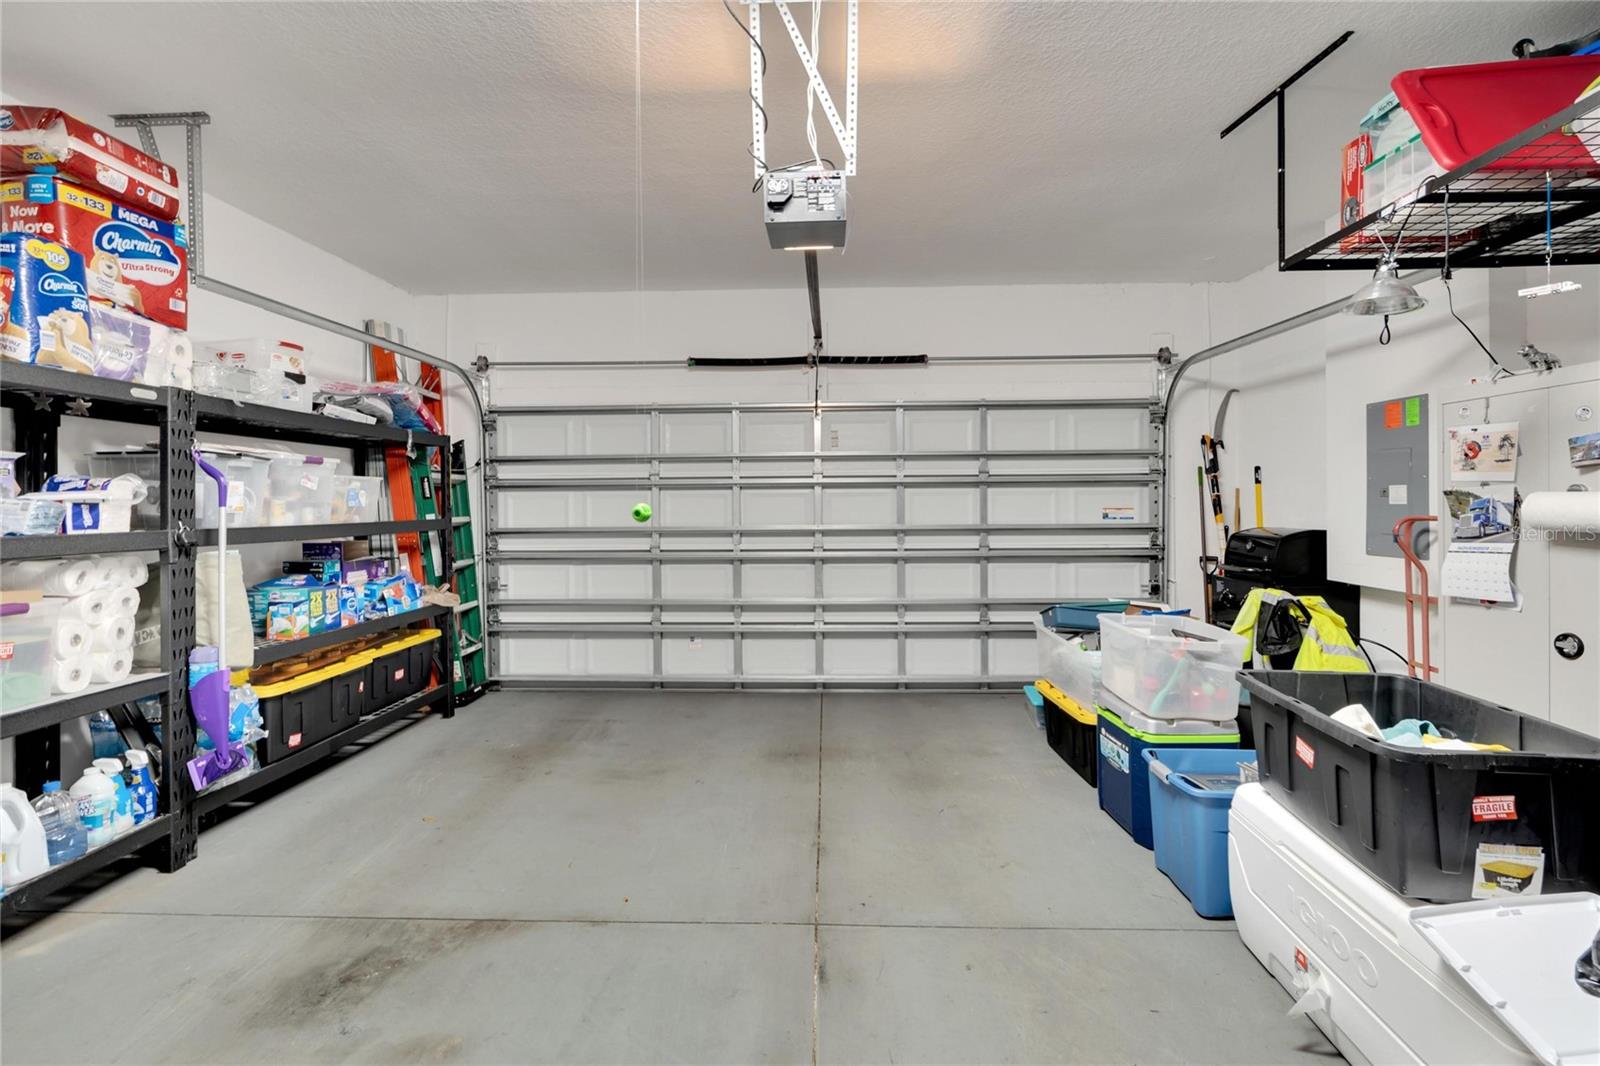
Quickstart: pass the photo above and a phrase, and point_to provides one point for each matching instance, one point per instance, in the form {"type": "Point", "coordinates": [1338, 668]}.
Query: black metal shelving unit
{"type": "Point", "coordinates": [39, 398]}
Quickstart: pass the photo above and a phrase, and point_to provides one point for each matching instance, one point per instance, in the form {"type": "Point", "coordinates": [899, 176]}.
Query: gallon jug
{"type": "Point", "coordinates": [122, 812]}
{"type": "Point", "coordinates": [64, 836]}
{"type": "Point", "coordinates": [143, 786]}
{"type": "Point", "coordinates": [21, 838]}
{"type": "Point", "coordinates": [96, 798]}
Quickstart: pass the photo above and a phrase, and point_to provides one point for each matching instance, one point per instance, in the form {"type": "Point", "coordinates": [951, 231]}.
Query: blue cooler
{"type": "Point", "coordinates": [1124, 734]}
{"type": "Point", "coordinates": [1191, 790]}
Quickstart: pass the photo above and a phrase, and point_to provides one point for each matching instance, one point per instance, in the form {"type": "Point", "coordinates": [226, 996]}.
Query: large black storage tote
{"type": "Point", "coordinates": [1416, 818]}
{"type": "Point", "coordinates": [297, 713]}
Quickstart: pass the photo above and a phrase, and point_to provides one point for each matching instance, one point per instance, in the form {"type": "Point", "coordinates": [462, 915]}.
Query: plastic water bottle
{"type": "Point", "coordinates": [96, 798]}
{"type": "Point", "coordinates": [122, 806]}
{"type": "Point", "coordinates": [105, 736]}
{"type": "Point", "coordinates": [64, 836]}
{"type": "Point", "coordinates": [143, 786]}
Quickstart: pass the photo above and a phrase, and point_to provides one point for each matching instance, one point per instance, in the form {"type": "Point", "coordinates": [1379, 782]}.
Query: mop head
{"type": "Point", "coordinates": [228, 762]}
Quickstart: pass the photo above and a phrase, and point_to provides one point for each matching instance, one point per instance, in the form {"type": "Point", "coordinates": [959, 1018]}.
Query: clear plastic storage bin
{"type": "Point", "coordinates": [1067, 664]}
{"type": "Point", "coordinates": [300, 490]}
{"type": "Point", "coordinates": [143, 463]}
{"type": "Point", "coordinates": [356, 499]}
{"type": "Point", "coordinates": [247, 489]}
{"type": "Point", "coordinates": [25, 670]}
{"type": "Point", "coordinates": [1172, 666]}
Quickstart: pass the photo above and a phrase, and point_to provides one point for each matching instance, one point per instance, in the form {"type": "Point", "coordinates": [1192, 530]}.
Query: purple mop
{"type": "Point", "coordinates": [208, 693]}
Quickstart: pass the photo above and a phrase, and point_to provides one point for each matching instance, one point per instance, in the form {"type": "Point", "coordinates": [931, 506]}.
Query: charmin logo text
{"type": "Point", "coordinates": [124, 241]}
{"type": "Point", "coordinates": [56, 285]}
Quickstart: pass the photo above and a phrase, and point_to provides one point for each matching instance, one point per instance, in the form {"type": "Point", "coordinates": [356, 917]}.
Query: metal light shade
{"type": "Point", "coordinates": [1385, 294]}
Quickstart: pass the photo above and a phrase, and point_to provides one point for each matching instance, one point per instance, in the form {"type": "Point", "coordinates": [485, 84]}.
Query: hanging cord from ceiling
{"type": "Point", "coordinates": [1500, 370]}
{"type": "Point", "coordinates": [811, 89]}
{"type": "Point", "coordinates": [750, 149]}
{"type": "Point", "coordinates": [816, 159]}
{"type": "Point", "coordinates": [1384, 335]}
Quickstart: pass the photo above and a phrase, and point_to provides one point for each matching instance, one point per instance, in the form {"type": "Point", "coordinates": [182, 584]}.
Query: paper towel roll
{"type": "Point", "coordinates": [108, 571]}
{"type": "Point", "coordinates": [70, 677]}
{"type": "Point", "coordinates": [137, 570]}
{"type": "Point", "coordinates": [110, 666]}
{"type": "Point", "coordinates": [123, 601]}
{"type": "Point", "coordinates": [53, 577]}
{"type": "Point", "coordinates": [180, 361]}
{"type": "Point", "coordinates": [70, 638]}
{"type": "Point", "coordinates": [88, 608]}
{"type": "Point", "coordinates": [112, 634]}
{"type": "Point", "coordinates": [1565, 512]}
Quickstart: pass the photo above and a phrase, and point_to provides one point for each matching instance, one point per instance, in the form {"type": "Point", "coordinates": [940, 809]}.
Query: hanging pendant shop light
{"type": "Point", "coordinates": [1385, 294]}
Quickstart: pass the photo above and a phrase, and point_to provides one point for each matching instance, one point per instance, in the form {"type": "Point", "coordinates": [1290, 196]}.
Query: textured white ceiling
{"type": "Point", "coordinates": [488, 147]}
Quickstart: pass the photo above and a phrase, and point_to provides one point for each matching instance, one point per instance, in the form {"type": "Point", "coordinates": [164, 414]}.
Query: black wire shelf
{"type": "Point", "coordinates": [69, 545]}
{"type": "Point", "coordinates": [1486, 213]}
{"type": "Point", "coordinates": [238, 790]}
{"type": "Point", "coordinates": [99, 697]}
{"type": "Point", "coordinates": [32, 892]}
{"type": "Point", "coordinates": [271, 651]}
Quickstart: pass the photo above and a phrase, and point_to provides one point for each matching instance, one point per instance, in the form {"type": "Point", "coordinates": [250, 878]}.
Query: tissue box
{"type": "Point", "coordinates": [327, 571]}
{"type": "Point", "coordinates": [39, 138]}
{"type": "Point", "coordinates": [320, 603]}
{"type": "Point", "coordinates": [288, 621]}
{"type": "Point", "coordinates": [135, 260]}
{"type": "Point", "coordinates": [47, 317]}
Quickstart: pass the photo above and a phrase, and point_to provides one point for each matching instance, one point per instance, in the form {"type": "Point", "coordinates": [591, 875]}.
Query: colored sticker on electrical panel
{"type": "Point", "coordinates": [1391, 415]}
{"type": "Point", "coordinates": [1414, 411]}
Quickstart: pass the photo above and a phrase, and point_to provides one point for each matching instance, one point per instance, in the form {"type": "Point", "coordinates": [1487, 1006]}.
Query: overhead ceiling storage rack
{"type": "Point", "coordinates": [1482, 213]}
{"type": "Point", "coordinates": [39, 398]}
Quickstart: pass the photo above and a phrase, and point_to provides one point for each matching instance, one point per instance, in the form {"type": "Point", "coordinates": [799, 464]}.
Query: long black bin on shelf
{"type": "Point", "coordinates": [1416, 818]}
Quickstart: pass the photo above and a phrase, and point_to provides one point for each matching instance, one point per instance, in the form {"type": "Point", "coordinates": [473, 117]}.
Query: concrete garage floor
{"type": "Point", "coordinates": [606, 877]}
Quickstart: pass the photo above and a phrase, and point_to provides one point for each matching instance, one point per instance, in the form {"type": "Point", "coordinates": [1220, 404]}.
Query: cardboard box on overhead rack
{"type": "Point", "coordinates": [49, 139]}
{"type": "Point", "coordinates": [134, 260]}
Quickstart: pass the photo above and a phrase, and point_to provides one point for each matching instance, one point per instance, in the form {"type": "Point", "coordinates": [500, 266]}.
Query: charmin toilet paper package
{"type": "Point", "coordinates": [47, 320]}
{"type": "Point", "coordinates": [132, 259]}
{"type": "Point", "coordinates": [32, 138]}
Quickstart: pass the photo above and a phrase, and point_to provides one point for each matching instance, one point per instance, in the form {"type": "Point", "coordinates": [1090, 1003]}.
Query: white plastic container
{"type": "Point", "coordinates": [1143, 723]}
{"type": "Point", "coordinates": [9, 489]}
{"type": "Point", "coordinates": [357, 499]}
{"type": "Point", "coordinates": [96, 797]}
{"type": "Point", "coordinates": [247, 489]}
{"type": "Point", "coordinates": [1172, 666]}
{"type": "Point", "coordinates": [1344, 948]}
{"type": "Point", "coordinates": [1067, 664]}
{"type": "Point", "coordinates": [25, 668]}
{"type": "Point", "coordinates": [300, 489]}
{"type": "Point", "coordinates": [23, 853]}
{"type": "Point", "coordinates": [144, 463]}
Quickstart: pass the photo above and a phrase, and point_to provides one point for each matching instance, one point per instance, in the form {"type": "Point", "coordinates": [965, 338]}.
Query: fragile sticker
{"type": "Point", "coordinates": [8, 648]}
{"type": "Point", "coordinates": [1507, 870]}
{"type": "Point", "coordinates": [1494, 808]}
{"type": "Point", "coordinates": [1305, 753]}
{"type": "Point", "coordinates": [1300, 960]}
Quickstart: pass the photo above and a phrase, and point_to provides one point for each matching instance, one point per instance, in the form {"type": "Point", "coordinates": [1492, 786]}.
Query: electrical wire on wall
{"type": "Point", "coordinates": [817, 158]}
{"type": "Point", "coordinates": [1500, 370]}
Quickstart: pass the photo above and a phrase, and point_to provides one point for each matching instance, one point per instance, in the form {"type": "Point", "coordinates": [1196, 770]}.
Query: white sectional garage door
{"type": "Point", "coordinates": [832, 545]}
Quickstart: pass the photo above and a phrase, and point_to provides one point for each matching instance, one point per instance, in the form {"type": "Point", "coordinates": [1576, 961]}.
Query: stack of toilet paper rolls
{"type": "Point", "coordinates": [91, 604]}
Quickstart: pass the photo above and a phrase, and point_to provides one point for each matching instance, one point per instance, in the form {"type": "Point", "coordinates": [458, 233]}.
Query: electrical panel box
{"type": "Point", "coordinates": [805, 210]}
{"type": "Point", "coordinates": [1397, 468]}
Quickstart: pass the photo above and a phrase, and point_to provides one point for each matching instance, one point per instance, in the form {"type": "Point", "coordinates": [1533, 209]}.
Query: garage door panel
{"type": "Point", "coordinates": [748, 596]}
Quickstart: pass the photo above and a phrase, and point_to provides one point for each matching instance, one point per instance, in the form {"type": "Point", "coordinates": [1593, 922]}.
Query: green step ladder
{"type": "Point", "coordinates": [468, 659]}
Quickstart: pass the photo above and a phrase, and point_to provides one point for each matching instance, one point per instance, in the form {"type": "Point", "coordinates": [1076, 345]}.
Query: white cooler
{"type": "Point", "coordinates": [1344, 947]}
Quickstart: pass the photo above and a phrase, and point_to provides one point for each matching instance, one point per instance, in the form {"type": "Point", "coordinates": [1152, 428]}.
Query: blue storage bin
{"type": "Point", "coordinates": [1124, 781]}
{"type": "Point", "coordinates": [1191, 790]}
{"type": "Point", "coordinates": [1036, 705]}
{"type": "Point", "coordinates": [1080, 615]}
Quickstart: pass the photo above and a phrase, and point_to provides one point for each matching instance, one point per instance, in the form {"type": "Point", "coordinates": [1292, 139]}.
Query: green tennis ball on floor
{"type": "Point", "coordinates": [642, 512]}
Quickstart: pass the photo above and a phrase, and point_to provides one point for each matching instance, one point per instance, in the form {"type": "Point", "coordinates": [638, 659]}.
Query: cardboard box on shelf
{"type": "Point", "coordinates": [132, 259]}
{"type": "Point", "coordinates": [47, 319]}
{"type": "Point", "coordinates": [47, 138]}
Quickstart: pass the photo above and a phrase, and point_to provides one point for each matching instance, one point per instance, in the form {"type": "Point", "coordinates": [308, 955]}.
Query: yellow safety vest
{"type": "Point", "coordinates": [1325, 645]}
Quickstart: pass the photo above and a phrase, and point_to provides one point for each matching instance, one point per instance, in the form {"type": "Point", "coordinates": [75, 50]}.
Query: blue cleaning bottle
{"type": "Point", "coordinates": [105, 736]}
{"type": "Point", "coordinates": [142, 786]}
